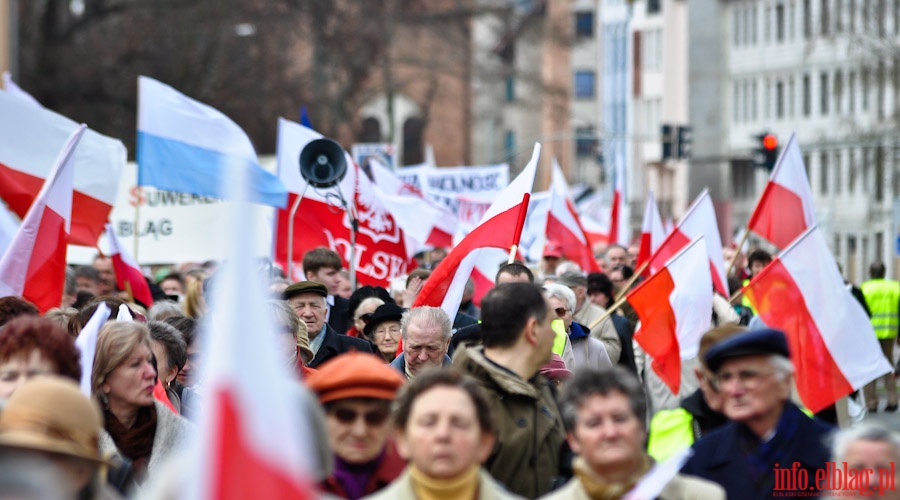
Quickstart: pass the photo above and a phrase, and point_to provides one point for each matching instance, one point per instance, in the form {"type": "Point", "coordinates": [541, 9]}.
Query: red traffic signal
{"type": "Point", "coordinates": [769, 142]}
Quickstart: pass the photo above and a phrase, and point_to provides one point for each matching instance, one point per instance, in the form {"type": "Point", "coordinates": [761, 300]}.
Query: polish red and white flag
{"type": "Point", "coordinates": [564, 225]}
{"type": "Point", "coordinates": [34, 265]}
{"type": "Point", "coordinates": [30, 138]}
{"type": "Point", "coordinates": [618, 222]}
{"type": "Point", "coordinates": [501, 227]}
{"type": "Point", "coordinates": [674, 306]}
{"type": "Point", "coordinates": [699, 220]}
{"type": "Point", "coordinates": [831, 339]}
{"type": "Point", "coordinates": [652, 232]}
{"type": "Point", "coordinates": [128, 271]}
{"type": "Point", "coordinates": [785, 210]}
{"type": "Point", "coordinates": [382, 250]}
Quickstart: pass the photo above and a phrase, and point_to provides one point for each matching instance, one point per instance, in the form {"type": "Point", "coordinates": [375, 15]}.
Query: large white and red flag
{"type": "Point", "coordinates": [500, 228]}
{"type": "Point", "coordinates": [832, 342]}
{"type": "Point", "coordinates": [383, 252]}
{"type": "Point", "coordinates": [564, 226]}
{"type": "Point", "coordinates": [618, 221]}
{"type": "Point", "coordinates": [30, 138]}
{"type": "Point", "coordinates": [9, 224]}
{"type": "Point", "coordinates": [652, 232]}
{"type": "Point", "coordinates": [128, 271]}
{"type": "Point", "coordinates": [699, 220]}
{"type": "Point", "coordinates": [255, 438]}
{"type": "Point", "coordinates": [34, 265]}
{"type": "Point", "coordinates": [785, 210]}
{"type": "Point", "coordinates": [420, 218]}
{"type": "Point", "coordinates": [674, 306]}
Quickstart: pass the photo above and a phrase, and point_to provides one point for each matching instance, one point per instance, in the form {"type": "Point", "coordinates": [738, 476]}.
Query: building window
{"type": "Point", "coordinates": [790, 97]}
{"type": "Point", "coordinates": [823, 173]}
{"type": "Point", "coordinates": [654, 6]}
{"type": "Point", "coordinates": [881, 76]}
{"type": "Point", "coordinates": [754, 101]}
{"type": "Point", "coordinates": [584, 24]}
{"type": "Point", "coordinates": [838, 16]}
{"type": "Point", "coordinates": [838, 172]}
{"type": "Point", "coordinates": [737, 102]}
{"type": "Point", "coordinates": [851, 16]}
{"type": "Point", "coordinates": [779, 100]}
{"type": "Point", "coordinates": [851, 92]}
{"type": "Point", "coordinates": [825, 17]}
{"type": "Point", "coordinates": [413, 144]}
{"type": "Point", "coordinates": [585, 142]}
{"type": "Point", "coordinates": [838, 87]}
{"type": "Point", "coordinates": [779, 23]}
{"type": "Point", "coordinates": [510, 89]}
{"type": "Point", "coordinates": [768, 102]}
{"type": "Point", "coordinates": [736, 27]}
{"type": "Point", "coordinates": [752, 21]}
{"type": "Point", "coordinates": [864, 88]}
{"type": "Point", "coordinates": [792, 17]}
{"type": "Point", "coordinates": [807, 19]}
{"type": "Point", "coordinates": [509, 144]}
{"type": "Point", "coordinates": [371, 130]}
{"type": "Point", "coordinates": [584, 84]}
{"type": "Point", "coordinates": [851, 171]}
{"type": "Point", "coordinates": [768, 23]}
{"type": "Point", "coordinates": [823, 93]}
{"type": "Point", "coordinates": [879, 173]}
{"type": "Point", "coordinates": [807, 97]}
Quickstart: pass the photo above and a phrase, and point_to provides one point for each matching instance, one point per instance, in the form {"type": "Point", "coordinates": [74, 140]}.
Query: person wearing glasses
{"type": "Point", "coordinates": [752, 373]}
{"type": "Point", "coordinates": [586, 351]}
{"type": "Point", "coordinates": [383, 330]}
{"type": "Point", "coordinates": [356, 390]}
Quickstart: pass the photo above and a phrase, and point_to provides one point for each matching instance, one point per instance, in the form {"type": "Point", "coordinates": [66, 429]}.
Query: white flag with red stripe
{"type": "Point", "coordinates": [832, 342]}
{"type": "Point", "coordinates": [618, 221]}
{"type": "Point", "coordinates": [675, 307]}
{"type": "Point", "coordinates": [500, 227]}
{"type": "Point", "coordinates": [34, 265]}
{"type": "Point", "coordinates": [652, 232]}
{"type": "Point", "coordinates": [699, 220]}
{"type": "Point", "coordinates": [564, 226]}
{"type": "Point", "coordinates": [30, 138]}
{"type": "Point", "coordinates": [9, 224]}
{"type": "Point", "coordinates": [785, 210]}
{"type": "Point", "coordinates": [255, 439]}
{"type": "Point", "coordinates": [383, 252]}
{"type": "Point", "coordinates": [128, 271]}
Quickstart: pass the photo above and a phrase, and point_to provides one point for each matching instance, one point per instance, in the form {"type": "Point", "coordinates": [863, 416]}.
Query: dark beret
{"type": "Point", "coordinates": [304, 287]}
{"type": "Point", "coordinates": [753, 342]}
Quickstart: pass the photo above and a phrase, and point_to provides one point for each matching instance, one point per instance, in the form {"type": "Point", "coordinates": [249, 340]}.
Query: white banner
{"type": "Point", "coordinates": [445, 185]}
{"type": "Point", "coordinates": [173, 227]}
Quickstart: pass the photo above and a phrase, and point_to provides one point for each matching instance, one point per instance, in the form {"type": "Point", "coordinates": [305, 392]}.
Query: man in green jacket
{"type": "Point", "coordinates": [883, 298]}
{"type": "Point", "coordinates": [515, 323]}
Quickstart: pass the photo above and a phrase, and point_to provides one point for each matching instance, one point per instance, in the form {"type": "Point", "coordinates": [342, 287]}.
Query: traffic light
{"type": "Point", "coordinates": [766, 154]}
{"type": "Point", "coordinates": [668, 141]}
{"type": "Point", "coordinates": [685, 140]}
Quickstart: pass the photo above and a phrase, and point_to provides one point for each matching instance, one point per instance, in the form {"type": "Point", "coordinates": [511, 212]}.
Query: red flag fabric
{"type": "Point", "coordinates": [699, 220]}
{"type": "Point", "coordinates": [500, 227]}
{"type": "Point", "coordinates": [34, 265]}
{"type": "Point", "coordinates": [832, 342]}
{"type": "Point", "coordinates": [674, 306]}
{"type": "Point", "coordinates": [383, 252]}
{"type": "Point", "coordinates": [128, 272]}
{"type": "Point", "coordinates": [652, 233]}
{"type": "Point", "coordinates": [564, 226]}
{"type": "Point", "coordinates": [785, 210]}
{"type": "Point", "coordinates": [32, 136]}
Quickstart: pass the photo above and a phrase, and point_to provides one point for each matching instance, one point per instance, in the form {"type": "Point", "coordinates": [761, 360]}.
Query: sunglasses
{"type": "Point", "coordinates": [366, 317]}
{"type": "Point", "coordinates": [561, 311]}
{"type": "Point", "coordinates": [348, 416]}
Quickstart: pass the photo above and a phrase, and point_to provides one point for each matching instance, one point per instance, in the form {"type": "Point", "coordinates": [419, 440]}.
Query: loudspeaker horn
{"type": "Point", "coordinates": [322, 163]}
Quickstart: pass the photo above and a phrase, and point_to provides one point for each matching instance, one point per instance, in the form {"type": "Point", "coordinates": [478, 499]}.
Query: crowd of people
{"type": "Point", "coordinates": [538, 390]}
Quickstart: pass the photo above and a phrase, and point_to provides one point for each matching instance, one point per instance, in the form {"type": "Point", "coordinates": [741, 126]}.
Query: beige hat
{"type": "Point", "coordinates": [51, 414]}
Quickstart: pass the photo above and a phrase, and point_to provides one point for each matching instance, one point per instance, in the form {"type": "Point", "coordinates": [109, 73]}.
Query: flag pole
{"type": "Point", "coordinates": [739, 247]}
{"type": "Point", "coordinates": [137, 228]}
{"type": "Point", "coordinates": [634, 277]}
{"type": "Point", "coordinates": [520, 224]}
{"type": "Point", "coordinates": [609, 312]}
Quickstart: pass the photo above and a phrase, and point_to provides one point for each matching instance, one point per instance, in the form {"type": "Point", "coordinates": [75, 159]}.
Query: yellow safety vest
{"type": "Point", "coordinates": [670, 431]}
{"type": "Point", "coordinates": [746, 301]}
{"type": "Point", "coordinates": [883, 298]}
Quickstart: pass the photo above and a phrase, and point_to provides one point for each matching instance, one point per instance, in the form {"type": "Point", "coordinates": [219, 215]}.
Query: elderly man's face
{"type": "Point", "coordinates": [752, 390]}
{"type": "Point", "coordinates": [617, 256]}
{"type": "Point", "coordinates": [310, 307]}
{"type": "Point", "coordinates": [424, 346]}
{"type": "Point", "coordinates": [877, 456]}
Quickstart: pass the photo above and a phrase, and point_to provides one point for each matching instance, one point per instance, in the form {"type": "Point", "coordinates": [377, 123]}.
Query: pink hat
{"type": "Point", "coordinates": [556, 369]}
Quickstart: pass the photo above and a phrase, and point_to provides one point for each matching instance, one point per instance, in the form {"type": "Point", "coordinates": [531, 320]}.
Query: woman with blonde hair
{"type": "Point", "coordinates": [194, 301]}
{"type": "Point", "coordinates": [124, 376]}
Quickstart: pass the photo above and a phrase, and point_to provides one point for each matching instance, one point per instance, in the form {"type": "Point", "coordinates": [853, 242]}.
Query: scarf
{"type": "Point", "coordinates": [463, 487]}
{"type": "Point", "coordinates": [598, 489]}
{"type": "Point", "coordinates": [135, 443]}
{"type": "Point", "coordinates": [355, 478]}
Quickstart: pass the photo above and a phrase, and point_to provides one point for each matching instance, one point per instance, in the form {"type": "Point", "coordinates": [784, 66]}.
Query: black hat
{"type": "Point", "coordinates": [304, 287]}
{"type": "Point", "coordinates": [385, 312]}
{"type": "Point", "coordinates": [765, 341]}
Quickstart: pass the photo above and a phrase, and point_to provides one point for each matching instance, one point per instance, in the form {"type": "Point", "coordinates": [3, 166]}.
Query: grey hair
{"type": "Point", "coordinates": [782, 365]}
{"type": "Point", "coordinates": [867, 431]}
{"type": "Point", "coordinates": [366, 301]}
{"type": "Point", "coordinates": [162, 310]}
{"type": "Point", "coordinates": [71, 286]}
{"type": "Point", "coordinates": [425, 317]}
{"type": "Point", "coordinates": [588, 382]}
{"type": "Point", "coordinates": [560, 292]}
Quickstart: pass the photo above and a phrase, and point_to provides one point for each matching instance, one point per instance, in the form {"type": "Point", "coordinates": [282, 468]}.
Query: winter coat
{"type": "Point", "coordinates": [681, 487]}
{"type": "Point", "coordinates": [530, 433]}
{"type": "Point", "coordinates": [586, 350]}
{"type": "Point", "coordinates": [605, 331]}
{"type": "Point", "coordinates": [402, 489]}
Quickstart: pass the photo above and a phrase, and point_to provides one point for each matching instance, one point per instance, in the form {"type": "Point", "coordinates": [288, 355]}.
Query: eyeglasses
{"type": "Point", "coordinates": [349, 416]}
{"type": "Point", "coordinates": [561, 311]}
{"type": "Point", "coordinates": [393, 331]}
{"type": "Point", "coordinates": [749, 379]}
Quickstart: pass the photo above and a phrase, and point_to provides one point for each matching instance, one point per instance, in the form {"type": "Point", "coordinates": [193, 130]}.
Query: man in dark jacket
{"type": "Point", "coordinates": [753, 375]}
{"type": "Point", "coordinates": [307, 298]}
{"type": "Point", "coordinates": [517, 341]}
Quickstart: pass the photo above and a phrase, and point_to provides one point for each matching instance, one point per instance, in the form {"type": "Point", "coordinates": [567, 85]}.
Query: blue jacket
{"type": "Point", "coordinates": [733, 457]}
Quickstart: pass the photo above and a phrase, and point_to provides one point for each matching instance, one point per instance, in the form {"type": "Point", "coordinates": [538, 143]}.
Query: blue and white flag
{"type": "Point", "coordinates": [186, 146]}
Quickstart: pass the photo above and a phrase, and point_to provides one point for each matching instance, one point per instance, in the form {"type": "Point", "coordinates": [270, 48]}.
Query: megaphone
{"type": "Point", "coordinates": [322, 163]}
